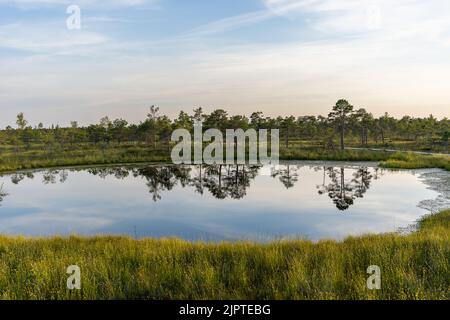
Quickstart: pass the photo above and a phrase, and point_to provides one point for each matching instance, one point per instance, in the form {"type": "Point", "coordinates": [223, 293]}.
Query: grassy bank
{"type": "Point", "coordinates": [77, 157]}
{"type": "Point", "coordinates": [33, 159]}
{"type": "Point", "coordinates": [397, 160]}
{"type": "Point", "coordinates": [415, 266]}
{"type": "Point", "coordinates": [414, 161]}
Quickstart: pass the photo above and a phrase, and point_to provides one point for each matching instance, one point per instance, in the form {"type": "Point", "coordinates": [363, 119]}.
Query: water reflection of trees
{"type": "Point", "coordinates": [51, 176]}
{"type": "Point", "coordinates": [362, 179]}
{"type": "Point", "coordinates": [231, 181]}
{"type": "Point", "coordinates": [48, 176]}
{"type": "Point", "coordinates": [118, 172]}
{"type": "Point", "coordinates": [342, 191]}
{"type": "Point", "coordinates": [3, 194]}
{"type": "Point", "coordinates": [226, 181]}
{"type": "Point", "coordinates": [288, 175]}
{"type": "Point", "coordinates": [221, 181]}
{"type": "Point", "coordinates": [163, 178]}
{"type": "Point", "coordinates": [18, 177]}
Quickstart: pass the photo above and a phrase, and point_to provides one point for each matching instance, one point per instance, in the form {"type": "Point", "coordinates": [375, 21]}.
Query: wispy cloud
{"type": "Point", "coordinates": [283, 7]}
{"type": "Point", "coordinates": [273, 8]}
{"type": "Point", "coordinates": [343, 17]}
{"type": "Point", "coordinates": [51, 37]}
{"type": "Point", "coordinates": [383, 55]}
{"type": "Point", "coordinates": [228, 23]}
{"type": "Point", "coordinates": [85, 3]}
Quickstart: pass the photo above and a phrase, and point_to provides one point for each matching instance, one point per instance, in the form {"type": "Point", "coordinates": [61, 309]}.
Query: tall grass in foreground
{"type": "Point", "coordinates": [415, 266]}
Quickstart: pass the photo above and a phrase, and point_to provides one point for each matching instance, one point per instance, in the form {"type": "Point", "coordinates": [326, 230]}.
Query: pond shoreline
{"type": "Point", "coordinates": [373, 164]}
{"type": "Point", "coordinates": [384, 164]}
{"type": "Point", "coordinates": [399, 160]}
{"type": "Point", "coordinates": [413, 266]}
{"type": "Point", "coordinates": [296, 199]}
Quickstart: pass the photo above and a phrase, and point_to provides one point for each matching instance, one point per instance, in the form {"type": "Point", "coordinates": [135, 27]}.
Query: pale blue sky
{"type": "Point", "coordinates": [278, 56]}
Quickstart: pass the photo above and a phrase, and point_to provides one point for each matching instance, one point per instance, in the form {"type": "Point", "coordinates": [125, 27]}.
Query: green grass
{"type": "Point", "coordinates": [414, 161]}
{"type": "Point", "coordinates": [414, 266]}
{"type": "Point", "coordinates": [398, 160]}
{"type": "Point", "coordinates": [77, 157]}
{"type": "Point", "coordinates": [94, 155]}
{"type": "Point", "coordinates": [331, 155]}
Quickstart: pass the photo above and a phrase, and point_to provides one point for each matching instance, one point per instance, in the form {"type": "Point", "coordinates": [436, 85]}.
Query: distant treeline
{"type": "Point", "coordinates": [355, 126]}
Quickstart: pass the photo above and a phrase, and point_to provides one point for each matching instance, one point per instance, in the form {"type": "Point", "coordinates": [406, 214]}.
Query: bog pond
{"type": "Point", "coordinates": [297, 199]}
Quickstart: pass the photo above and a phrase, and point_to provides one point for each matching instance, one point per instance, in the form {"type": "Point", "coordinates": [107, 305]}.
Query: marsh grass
{"type": "Point", "coordinates": [416, 161]}
{"type": "Point", "coordinates": [94, 155]}
{"type": "Point", "coordinates": [414, 266]}
{"type": "Point", "coordinates": [331, 155]}
{"type": "Point", "coordinates": [79, 157]}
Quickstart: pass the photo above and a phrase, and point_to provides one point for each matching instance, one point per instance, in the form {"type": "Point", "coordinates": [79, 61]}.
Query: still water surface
{"type": "Point", "coordinates": [312, 200]}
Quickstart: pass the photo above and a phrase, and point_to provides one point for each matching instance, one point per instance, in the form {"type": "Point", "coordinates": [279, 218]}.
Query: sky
{"type": "Point", "coordinates": [276, 56]}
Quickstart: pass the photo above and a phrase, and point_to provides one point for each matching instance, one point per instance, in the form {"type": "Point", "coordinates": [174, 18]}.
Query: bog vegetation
{"type": "Point", "coordinates": [414, 266]}
{"type": "Point", "coordinates": [303, 138]}
{"type": "Point", "coordinates": [343, 126]}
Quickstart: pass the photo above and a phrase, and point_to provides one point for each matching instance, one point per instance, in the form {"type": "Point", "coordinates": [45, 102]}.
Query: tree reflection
{"type": "Point", "coordinates": [342, 192]}
{"type": "Point", "coordinates": [163, 178]}
{"type": "Point", "coordinates": [214, 181]}
{"type": "Point", "coordinates": [362, 179]}
{"type": "Point", "coordinates": [63, 175]}
{"type": "Point", "coordinates": [49, 177]}
{"type": "Point", "coordinates": [18, 177]}
{"type": "Point", "coordinates": [238, 180]}
{"type": "Point", "coordinates": [287, 175]}
{"type": "Point", "coordinates": [228, 181]}
{"type": "Point", "coordinates": [3, 194]}
{"type": "Point", "coordinates": [222, 181]}
{"type": "Point", "coordinates": [198, 180]}
{"type": "Point", "coordinates": [118, 172]}
{"type": "Point", "coordinates": [225, 181]}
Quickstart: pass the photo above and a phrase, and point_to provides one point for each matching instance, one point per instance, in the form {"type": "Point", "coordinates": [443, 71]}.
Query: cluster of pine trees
{"type": "Point", "coordinates": [345, 124]}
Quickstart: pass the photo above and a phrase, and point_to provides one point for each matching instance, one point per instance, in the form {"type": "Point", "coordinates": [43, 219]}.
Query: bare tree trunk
{"type": "Point", "coordinates": [287, 138]}
{"type": "Point", "coordinates": [342, 137]}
